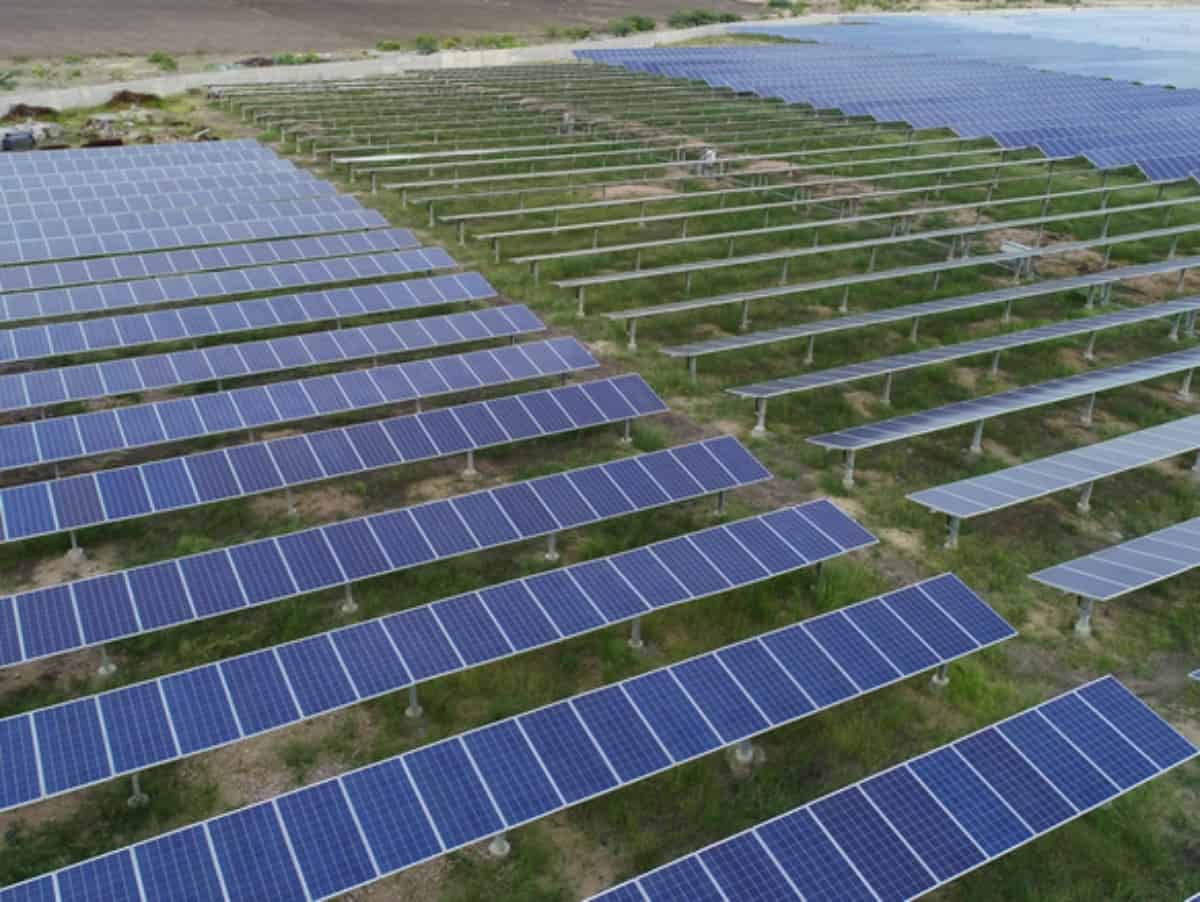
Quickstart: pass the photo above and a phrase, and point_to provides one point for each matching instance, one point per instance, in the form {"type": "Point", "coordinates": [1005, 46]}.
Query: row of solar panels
{"type": "Point", "coordinates": [32, 343]}
{"type": "Point", "coordinates": [973, 98]}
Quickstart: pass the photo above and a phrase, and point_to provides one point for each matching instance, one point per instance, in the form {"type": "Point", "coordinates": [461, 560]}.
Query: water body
{"type": "Point", "coordinates": [1154, 46]}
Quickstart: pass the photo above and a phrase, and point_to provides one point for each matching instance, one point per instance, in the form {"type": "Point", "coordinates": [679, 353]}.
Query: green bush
{"type": "Point", "coordinates": [620, 27]}
{"type": "Point", "coordinates": [8, 80]}
{"type": "Point", "coordinates": [295, 59]}
{"type": "Point", "coordinates": [497, 41]}
{"type": "Point", "coordinates": [577, 33]}
{"type": "Point", "coordinates": [690, 18]}
{"type": "Point", "coordinates": [164, 61]}
{"type": "Point", "coordinates": [389, 46]}
{"type": "Point", "coordinates": [426, 43]}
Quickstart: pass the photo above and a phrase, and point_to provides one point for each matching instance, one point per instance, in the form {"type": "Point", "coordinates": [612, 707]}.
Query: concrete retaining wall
{"type": "Point", "coordinates": [384, 64]}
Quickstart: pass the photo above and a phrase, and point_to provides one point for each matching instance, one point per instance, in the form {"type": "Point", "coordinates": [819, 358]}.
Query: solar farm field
{"type": "Point", "coordinates": [516, 483]}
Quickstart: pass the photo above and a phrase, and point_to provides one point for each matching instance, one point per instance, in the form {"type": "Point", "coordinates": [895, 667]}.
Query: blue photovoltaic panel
{"type": "Point", "coordinates": [294, 400]}
{"type": "Point", "coordinates": [74, 502]}
{"type": "Point", "coordinates": [336, 216]}
{"type": "Point", "coordinates": [1130, 566]}
{"type": "Point", "coordinates": [1069, 469]}
{"type": "Point", "coordinates": [31, 303]}
{"type": "Point", "coordinates": [215, 704]}
{"type": "Point", "coordinates": [891, 830]}
{"type": "Point", "coordinates": [133, 330]}
{"type": "Point", "coordinates": [552, 748]}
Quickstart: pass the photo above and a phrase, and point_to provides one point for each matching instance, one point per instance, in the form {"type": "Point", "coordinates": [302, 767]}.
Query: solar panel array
{"type": "Point", "coordinates": [133, 241]}
{"type": "Point", "coordinates": [923, 823]}
{"type": "Point", "coordinates": [1088, 325]}
{"type": "Point", "coordinates": [340, 667]}
{"type": "Point", "coordinates": [1136, 564]}
{"type": "Point", "coordinates": [17, 193]}
{"type": "Point", "coordinates": [119, 178]}
{"type": "Point", "coordinates": [98, 334]}
{"type": "Point", "coordinates": [974, 410]}
{"type": "Point", "coordinates": [57, 619]}
{"type": "Point", "coordinates": [60, 439]}
{"type": "Point", "coordinates": [176, 483]}
{"type": "Point", "coordinates": [1062, 114]}
{"type": "Point", "coordinates": [172, 263]}
{"type": "Point", "coordinates": [40, 388]}
{"type": "Point", "coordinates": [1069, 469]}
{"type": "Point", "coordinates": [332, 836]}
{"type": "Point", "coordinates": [135, 156]}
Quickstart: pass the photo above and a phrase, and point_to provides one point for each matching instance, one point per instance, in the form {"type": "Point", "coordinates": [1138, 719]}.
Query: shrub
{"type": "Point", "coordinates": [641, 23]}
{"type": "Point", "coordinates": [690, 18]}
{"type": "Point", "coordinates": [497, 41]}
{"type": "Point", "coordinates": [426, 43]}
{"type": "Point", "coordinates": [577, 33]}
{"type": "Point", "coordinates": [164, 61]}
{"type": "Point", "coordinates": [8, 80]}
{"type": "Point", "coordinates": [387, 45]}
{"type": "Point", "coordinates": [620, 27]}
{"type": "Point", "coordinates": [295, 59]}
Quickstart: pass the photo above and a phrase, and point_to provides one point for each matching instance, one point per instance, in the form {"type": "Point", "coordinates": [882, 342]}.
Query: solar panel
{"type": "Point", "coordinates": [21, 208]}
{"type": "Point", "coordinates": [173, 263]}
{"type": "Point", "coordinates": [434, 799]}
{"type": "Point", "coordinates": [975, 410]}
{"type": "Point", "coordinates": [147, 192]}
{"type": "Point", "coordinates": [205, 585]}
{"type": "Point", "coordinates": [140, 174]}
{"type": "Point", "coordinates": [60, 439]}
{"type": "Point", "coordinates": [328, 215]}
{"type": "Point", "coordinates": [1129, 566]}
{"type": "Point", "coordinates": [193, 480]}
{"type": "Point", "coordinates": [868, 369]}
{"type": "Point", "coordinates": [86, 158]}
{"type": "Point", "coordinates": [916, 311]}
{"type": "Point", "coordinates": [330, 670]}
{"type": "Point", "coordinates": [22, 391]}
{"type": "Point", "coordinates": [1081, 466]}
{"type": "Point", "coordinates": [928, 821]}
{"type": "Point", "coordinates": [42, 342]}
{"type": "Point", "coordinates": [92, 223]}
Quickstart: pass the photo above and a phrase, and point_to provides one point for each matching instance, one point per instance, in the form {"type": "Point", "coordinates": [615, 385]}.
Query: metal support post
{"type": "Point", "coordinates": [552, 547]}
{"type": "Point", "coordinates": [691, 367]}
{"type": "Point", "coordinates": [469, 472]}
{"type": "Point", "coordinates": [745, 323]}
{"type": "Point", "coordinates": [941, 677]}
{"type": "Point", "coordinates": [1007, 315]}
{"type": "Point", "coordinates": [916, 327]}
{"type": "Point", "coordinates": [1083, 626]}
{"type": "Point", "coordinates": [808, 354]}
{"type": "Point", "coordinates": [720, 508]}
{"type": "Point", "coordinates": [627, 434]}
{"type": "Point", "coordinates": [886, 397]}
{"type": "Point", "coordinates": [1090, 354]}
{"type": "Point", "coordinates": [995, 365]}
{"type": "Point", "coordinates": [848, 470]}
{"type": "Point", "coordinates": [107, 665]}
{"type": "Point", "coordinates": [635, 635]}
{"type": "Point", "coordinates": [631, 334]}
{"type": "Point", "coordinates": [977, 439]}
{"type": "Point", "coordinates": [137, 798]}
{"type": "Point", "coordinates": [760, 415]}
{"type": "Point", "coordinates": [1085, 500]}
{"type": "Point", "coordinates": [1196, 467]}
{"type": "Point", "coordinates": [75, 553]}
{"type": "Point", "coordinates": [1176, 323]}
{"type": "Point", "coordinates": [499, 847]}
{"type": "Point", "coordinates": [953, 524]}
{"type": "Point", "coordinates": [744, 752]}
{"type": "Point", "coordinates": [579, 300]}
{"type": "Point", "coordinates": [349, 605]}
{"type": "Point", "coordinates": [1088, 411]}
{"type": "Point", "coordinates": [844, 307]}
{"type": "Point", "coordinates": [1185, 389]}
{"type": "Point", "coordinates": [414, 709]}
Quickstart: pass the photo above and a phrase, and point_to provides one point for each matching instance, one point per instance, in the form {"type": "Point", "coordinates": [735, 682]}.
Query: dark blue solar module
{"type": "Point", "coordinates": [215, 704]}
{"type": "Point", "coordinates": [467, 788]}
{"type": "Point", "coordinates": [929, 820]}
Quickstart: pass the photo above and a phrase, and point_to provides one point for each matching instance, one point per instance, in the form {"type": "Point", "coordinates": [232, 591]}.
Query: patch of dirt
{"type": "Point", "coordinates": [864, 403]}
{"type": "Point", "coordinates": [317, 504]}
{"type": "Point", "coordinates": [633, 189]}
{"type": "Point", "coordinates": [999, 452]}
{"type": "Point", "coordinates": [967, 377]}
{"type": "Point", "coordinates": [731, 427]}
{"type": "Point", "coordinates": [906, 541]}
{"type": "Point", "coordinates": [1072, 264]}
{"type": "Point", "coordinates": [588, 865]}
